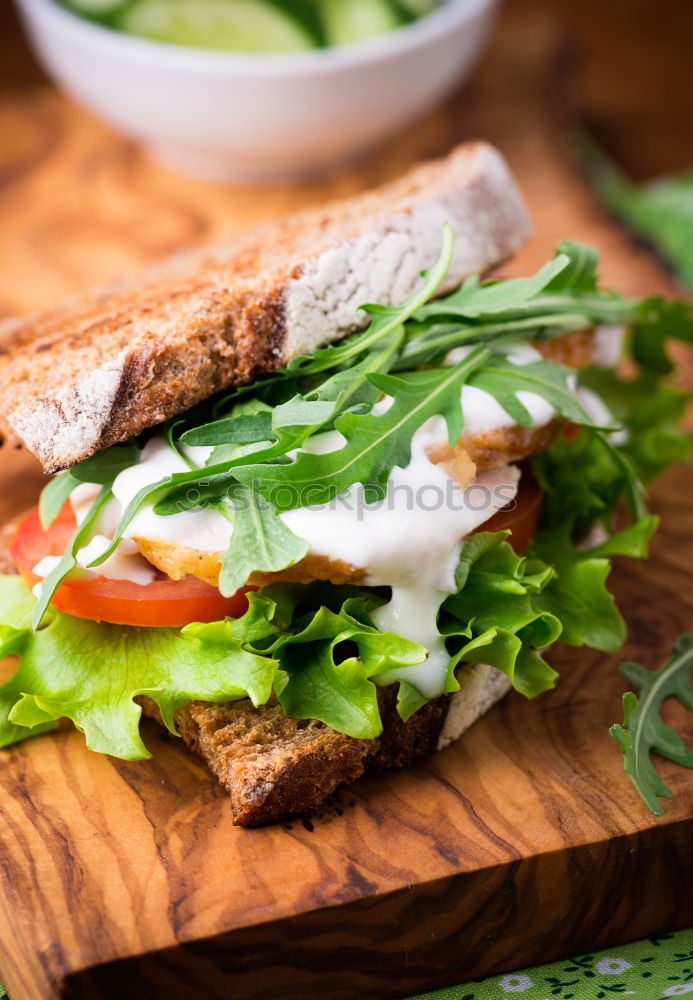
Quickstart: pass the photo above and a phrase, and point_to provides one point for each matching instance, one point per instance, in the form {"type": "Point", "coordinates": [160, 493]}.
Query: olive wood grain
{"type": "Point", "coordinates": [522, 843]}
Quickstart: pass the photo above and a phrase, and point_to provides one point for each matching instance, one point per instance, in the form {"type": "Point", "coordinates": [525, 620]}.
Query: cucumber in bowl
{"type": "Point", "coordinates": [231, 25]}
{"type": "Point", "coordinates": [101, 10]}
{"type": "Point", "coordinates": [347, 21]}
{"type": "Point", "coordinates": [253, 26]}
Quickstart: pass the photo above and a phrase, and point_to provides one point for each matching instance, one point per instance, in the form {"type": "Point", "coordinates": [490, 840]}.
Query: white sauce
{"type": "Point", "coordinates": [482, 412]}
{"type": "Point", "coordinates": [42, 568]}
{"type": "Point", "coordinates": [203, 529]}
{"type": "Point", "coordinates": [81, 499]}
{"type": "Point", "coordinates": [600, 414]}
{"type": "Point", "coordinates": [422, 586]}
{"type": "Point", "coordinates": [607, 345]}
{"type": "Point", "coordinates": [126, 563]}
{"type": "Point", "coordinates": [409, 541]}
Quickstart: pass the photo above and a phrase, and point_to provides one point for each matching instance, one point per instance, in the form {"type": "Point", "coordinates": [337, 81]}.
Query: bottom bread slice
{"type": "Point", "coordinates": [275, 767]}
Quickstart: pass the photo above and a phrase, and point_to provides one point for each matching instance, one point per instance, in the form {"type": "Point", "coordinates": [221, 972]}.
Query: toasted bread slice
{"type": "Point", "coordinates": [274, 767]}
{"type": "Point", "coordinates": [117, 360]}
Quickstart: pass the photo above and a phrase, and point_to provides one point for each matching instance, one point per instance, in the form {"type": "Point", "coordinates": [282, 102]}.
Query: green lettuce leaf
{"type": "Point", "coordinates": [318, 661]}
{"type": "Point", "coordinates": [91, 672]}
{"type": "Point", "coordinates": [576, 594]}
{"type": "Point", "coordinates": [496, 617]}
{"type": "Point", "coordinates": [319, 683]}
{"type": "Point", "coordinates": [582, 480]}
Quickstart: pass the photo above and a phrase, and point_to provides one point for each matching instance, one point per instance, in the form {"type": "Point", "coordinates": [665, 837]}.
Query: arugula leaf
{"type": "Point", "coordinates": [53, 497]}
{"type": "Point", "coordinates": [198, 479]}
{"type": "Point", "coordinates": [291, 422]}
{"type": "Point", "coordinates": [474, 299]}
{"type": "Point", "coordinates": [644, 731]}
{"type": "Point", "coordinates": [101, 468]}
{"type": "Point", "coordinates": [503, 380]}
{"type": "Point", "coordinates": [247, 428]}
{"type": "Point", "coordinates": [260, 542]}
{"type": "Point", "coordinates": [68, 561]}
{"type": "Point", "coordinates": [91, 672]}
{"type": "Point", "coordinates": [660, 210]}
{"type": "Point", "coordinates": [580, 276]}
{"type": "Point", "coordinates": [429, 343]}
{"type": "Point", "coordinates": [375, 443]}
{"type": "Point", "coordinates": [570, 300]}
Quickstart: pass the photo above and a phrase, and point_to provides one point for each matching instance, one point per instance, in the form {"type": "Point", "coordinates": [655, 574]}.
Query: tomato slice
{"type": "Point", "coordinates": [164, 602]}
{"type": "Point", "coordinates": [521, 516]}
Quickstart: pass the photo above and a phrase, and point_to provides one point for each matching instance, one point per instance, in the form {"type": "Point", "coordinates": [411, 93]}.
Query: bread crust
{"type": "Point", "coordinates": [117, 360]}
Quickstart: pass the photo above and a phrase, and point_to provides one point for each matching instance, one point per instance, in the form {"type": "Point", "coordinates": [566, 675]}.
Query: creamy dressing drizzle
{"type": "Point", "coordinates": [126, 563]}
{"type": "Point", "coordinates": [482, 412]}
{"type": "Point", "coordinates": [410, 541]}
{"type": "Point", "coordinates": [203, 529]}
{"type": "Point", "coordinates": [607, 345]}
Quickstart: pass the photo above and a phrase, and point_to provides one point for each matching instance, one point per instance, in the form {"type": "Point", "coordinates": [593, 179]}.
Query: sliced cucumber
{"type": "Point", "coordinates": [306, 13]}
{"type": "Point", "coordinates": [96, 8]}
{"type": "Point", "coordinates": [233, 25]}
{"type": "Point", "coordinates": [348, 21]}
{"type": "Point", "coordinates": [418, 8]}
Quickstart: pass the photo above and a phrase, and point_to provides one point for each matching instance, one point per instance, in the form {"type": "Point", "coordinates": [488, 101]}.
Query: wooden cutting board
{"type": "Point", "coordinates": [523, 843]}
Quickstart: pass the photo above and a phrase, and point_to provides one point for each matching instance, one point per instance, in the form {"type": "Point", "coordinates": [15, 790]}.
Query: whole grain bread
{"type": "Point", "coordinates": [105, 366]}
{"type": "Point", "coordinates": [274, 767]}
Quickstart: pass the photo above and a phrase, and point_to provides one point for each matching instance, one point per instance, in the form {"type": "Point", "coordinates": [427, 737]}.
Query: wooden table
{"type": "Point", "coordinates": [524, 842]}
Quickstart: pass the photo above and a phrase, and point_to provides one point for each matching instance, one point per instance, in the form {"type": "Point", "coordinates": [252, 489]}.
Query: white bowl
{"type": "Point", "coordinates": [259, 118]}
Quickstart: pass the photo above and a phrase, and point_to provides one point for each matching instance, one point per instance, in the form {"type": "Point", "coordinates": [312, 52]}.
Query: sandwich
{"type": "Point", "coordinates": [311, 535]}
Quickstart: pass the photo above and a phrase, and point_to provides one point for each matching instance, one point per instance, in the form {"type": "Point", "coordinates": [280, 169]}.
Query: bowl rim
{"type": "Point", "coordinates": [392, 44]}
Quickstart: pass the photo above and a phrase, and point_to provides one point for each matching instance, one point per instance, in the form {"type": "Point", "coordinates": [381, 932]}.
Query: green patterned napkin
{"type": "Point", "coordinates": [653, 969]}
